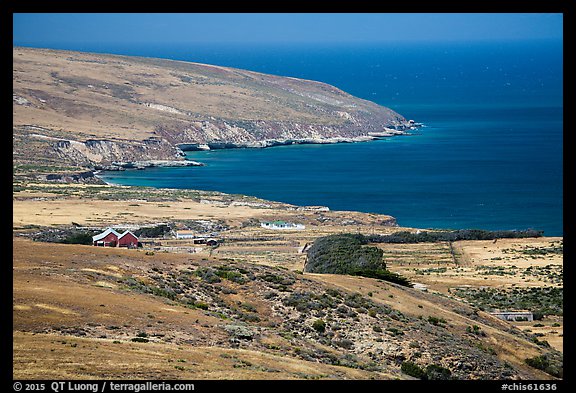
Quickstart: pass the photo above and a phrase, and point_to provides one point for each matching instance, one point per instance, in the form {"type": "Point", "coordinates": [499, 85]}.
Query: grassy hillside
{"type": "Point", "coordinates": [73, 108]}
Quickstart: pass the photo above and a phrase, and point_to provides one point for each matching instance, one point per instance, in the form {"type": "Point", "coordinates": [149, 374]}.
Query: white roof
{"type": "Point", "coordinates": [125, 233]}
{"type": "Point", "coordinates": [104, 234]}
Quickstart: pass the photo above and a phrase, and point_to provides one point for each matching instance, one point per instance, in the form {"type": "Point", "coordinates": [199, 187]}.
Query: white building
{"type": "Point", "coordinates": [281, 225]}
{"type": "Point", "coordinates": [185, 234]}
{"type": "Point", "coordinates": [514, 315]}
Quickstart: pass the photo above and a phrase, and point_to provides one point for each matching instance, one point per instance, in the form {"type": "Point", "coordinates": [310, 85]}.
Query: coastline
{"type": "Point", "coordinates": [371, 136]}
{"type": "Point", "coordinates": [143, 164]}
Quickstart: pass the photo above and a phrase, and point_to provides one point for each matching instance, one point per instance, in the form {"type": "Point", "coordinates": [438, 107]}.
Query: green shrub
{"type": "Point", "coordinates": [450, 236]}
{"type": "Point", "coordinates": [157, 231]}
{"type": "Point", "coordinates": [200, 305]}
{"type": "Point", "coordinates": [344, 343]}
{"type": "Point", "coordinates": [435, 372]}
{"type": "Point", "coordinates": [319, 325]}
{"type": "Point", "coordinates": [475, 329]}
{"type": "Point", "coordinates": [436, 321]}
{"type": "Point", "coordinates": [349, 254]}
{"type": "Point", "coordinates": [432, 371]}
{"type": "Point", "coordinates": [207, 274]}
{"type": "Point", "coordinates": [79, 238]}
{"type": "Point", "coordinates": [140, 340]}
{"type": "Point", "coordinates": [167, 293]}
{"type": "Point", "coordinates": [546, 364]}
{"type": "Point", "coordinates": [395, 331]}
{"type": "Point", "coordinates": [413, 370]}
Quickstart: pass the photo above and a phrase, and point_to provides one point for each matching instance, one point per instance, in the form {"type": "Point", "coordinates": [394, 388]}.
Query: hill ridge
{"type": "Point", "coordinates": [105, 108]}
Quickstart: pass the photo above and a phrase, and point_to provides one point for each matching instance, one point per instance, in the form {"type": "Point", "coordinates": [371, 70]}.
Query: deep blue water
{"type": "Point", "coordinates": [490, 157]}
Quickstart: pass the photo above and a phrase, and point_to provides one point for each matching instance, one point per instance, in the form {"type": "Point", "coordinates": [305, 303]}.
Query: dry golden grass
{"type": "Point", "coordinates": [45, 356]}
{"type": "Point", "coordinates": [93, 95]}
{"type": "Point", "coordinates": [476, 264]}
{"type": "Point", "coordinates": [45, 298]}
{"type": "Point", "coordinates": [102, 213]}
{"type": "Point", "coordinates": [433, 265]}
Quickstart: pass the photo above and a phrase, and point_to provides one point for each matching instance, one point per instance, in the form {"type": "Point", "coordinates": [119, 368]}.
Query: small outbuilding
{"type": "Point", "coordinates": [514, 315]}
{"type": "Point", "coordinates": [185, 234]}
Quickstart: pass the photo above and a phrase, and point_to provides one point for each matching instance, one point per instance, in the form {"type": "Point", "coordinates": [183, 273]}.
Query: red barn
{"type": "Point", "coordinates": [127, 239]}
{"type": "Point", "coordinates": [108, 238]}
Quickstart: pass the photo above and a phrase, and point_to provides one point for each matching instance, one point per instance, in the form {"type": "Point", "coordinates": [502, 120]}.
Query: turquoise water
{"type": "Point", "coordinates": [490, 157]}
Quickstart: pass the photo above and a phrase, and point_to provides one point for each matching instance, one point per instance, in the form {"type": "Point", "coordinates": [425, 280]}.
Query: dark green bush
{"type": "Point", "coordinates": [229, 274]}
{"type": "Point", "coordinates": [413, 370]}
{"type": "Point", "coordinates": [432, 371]}
{"type": "Point", "coordinates": [546, 364]}
{"type": "Point", "coordinates": [207, 274]}
{"type": "Point", "coordinates": [436, 321]}
{"type": "Point", "coordinates": [319, 325]}
{"type": "Point", "coordinates": [385, 275]}
{"type": "Point", "coordinates": [200, 305]}
{"type": "Point", "coordinates": [395, 331]}
{"type": "Point", "coordinates": [344, 343]}
{"type": "Point", "coordinates": [157, 231]}
{"type": "Point", "coordinates": [435, 372]}
{"type": "Point", "coordinates": [475, 329]}
{"type": "Point", "coordinates": [79, 238]}
{"type": "Point", "coordinates": [349, 254]}
{"type": "Point", "coordinates": [450, 236]}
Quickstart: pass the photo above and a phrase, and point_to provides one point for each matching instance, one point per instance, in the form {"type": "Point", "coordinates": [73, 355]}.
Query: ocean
{"type": "Point", "coordinates": [490, 155]}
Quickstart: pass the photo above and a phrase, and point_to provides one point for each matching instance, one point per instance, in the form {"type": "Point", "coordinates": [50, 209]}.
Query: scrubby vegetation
{"type": "Point", "coordinates": [539, 300]}
{"type": "Point", "coordinates": [156, 231]}
{"type": "Point", "coordinates": [451, 236]}
{"type": "Point", "coordinates": [349, 254]}
{"type": "Point", "coordinates": [431, 372]}
{"type": "Point", "coordinates": [70, 235]}
{"type": "Point", "coordinates": [78, 238]}
{"type": "Point", "coordinates": [413, 370]}
{"type": "Point", "coordinates": [549, 363]}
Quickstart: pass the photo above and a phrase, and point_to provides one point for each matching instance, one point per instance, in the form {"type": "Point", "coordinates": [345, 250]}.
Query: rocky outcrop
{"type": "Point", "coordinates": [260, 134]}
{"type": "Point", "coordinates": [120, 154]}
{"type": "Point", "coordinates": [120, 166]}
{"type": "Point", "coordinates": [85, 177]}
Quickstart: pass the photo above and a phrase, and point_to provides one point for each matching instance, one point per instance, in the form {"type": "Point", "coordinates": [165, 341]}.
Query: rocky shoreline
{"type": "Point", "coordinates": [92, 175]}
{"type": "Point", "coordinates": [121, 166]}
{"type": "Point", "coordinates": [220, 145]}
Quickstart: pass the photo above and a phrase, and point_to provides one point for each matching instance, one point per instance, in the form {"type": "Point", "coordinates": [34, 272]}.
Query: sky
{"type": "Point", "coordinates": [70, 29]}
